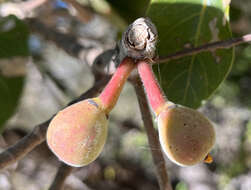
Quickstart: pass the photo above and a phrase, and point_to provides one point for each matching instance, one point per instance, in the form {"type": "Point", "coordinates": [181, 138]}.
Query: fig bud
{"type": "Point", "coordinates": [186, 136]}
{"type": "Point", "coordinates": [77, 134]}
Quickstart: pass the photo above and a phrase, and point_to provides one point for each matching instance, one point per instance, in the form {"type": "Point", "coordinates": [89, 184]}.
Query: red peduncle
{"type": "Point", "coordinates": [110, 94]}
{"type": "Point", "coordinates": [154, 93]}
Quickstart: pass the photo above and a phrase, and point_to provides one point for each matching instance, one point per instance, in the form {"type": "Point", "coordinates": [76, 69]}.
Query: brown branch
{"type": "Point", "coordinates": [152, 135]}
{"type": "Point", "coordinates": [24, 146]}
{"type": "Point", "coordinates": [71, 45]}
{"type": "Point", "coordinates": [37, 135]}
{"type": "Point", "coordinates": [63, 172]}
{"type": "Point", "coordinates": [206, 47]}
{"type": "Point", "coordinates": [67, 42]}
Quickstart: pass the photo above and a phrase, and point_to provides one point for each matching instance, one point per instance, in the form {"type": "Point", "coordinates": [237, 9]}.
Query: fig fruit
{"type": "Point", "coordinates": [77, 134]}
{"type": "Point", "coordinates": [186, 136]}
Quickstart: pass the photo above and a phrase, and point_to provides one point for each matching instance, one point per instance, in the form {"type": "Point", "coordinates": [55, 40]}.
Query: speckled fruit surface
{"type": "Point", "coordinates": [186, 135]}
{"type": "Point", "coordinates": [77, 134]}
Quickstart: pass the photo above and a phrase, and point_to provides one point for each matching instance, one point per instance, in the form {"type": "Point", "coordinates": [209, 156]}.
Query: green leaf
{"type": "Point", "coordinates": [190, 23]}
{"type": "Point", "coordinates": [13, 37]}
{"type": "Point", "coordinates": [10, 91]}
{"type": "Point", "coordinates": [130, 9]}
{"type": "Point", "coordinates": [13, 43]}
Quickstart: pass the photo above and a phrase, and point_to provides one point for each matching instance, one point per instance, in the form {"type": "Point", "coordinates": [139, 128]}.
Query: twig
{"type": "Point", "coordinates": [46, 73]}
{"type": "Point", "coordinates": [67, 42]}
{"type": "Point", "coordinates": [98, 86]}
{"type": "Point", "coordinates": [62, 173]}
{"type": "Point", "coordinates": [71, 46]}
{"type": "Point", "coordinates": [37, 135]}
{"type": "Point", "coordinates": [206, 47]}
{"type": "Point", "coordinates": [152, 135]}
{"type": "Point", "coordinates": [24, 146]}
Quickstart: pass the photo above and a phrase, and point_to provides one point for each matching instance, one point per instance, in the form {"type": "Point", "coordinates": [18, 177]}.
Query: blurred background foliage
{"type": "Point", "coordinates": [38, 77]}
{"type": "Point", "coordinates": [14, 42]}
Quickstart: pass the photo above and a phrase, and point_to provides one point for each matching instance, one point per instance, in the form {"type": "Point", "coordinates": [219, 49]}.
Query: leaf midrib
{"type": "Point", "coordinates": [202, 13]}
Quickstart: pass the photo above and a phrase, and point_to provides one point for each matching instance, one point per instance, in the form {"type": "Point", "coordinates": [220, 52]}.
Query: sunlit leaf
{"type": "Point", "coordinates": [190, 23]}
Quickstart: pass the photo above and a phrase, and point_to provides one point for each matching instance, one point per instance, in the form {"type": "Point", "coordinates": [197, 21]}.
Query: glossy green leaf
{"type": "Point", "coordinates": [13, 43]}
{"type": "Point", "coordinates": [190, 23]}
{"type": "Point", "coordinates": [130, 9]}
{"type": "Point", "coordinates": [13, 37]}
{"type": "Point", "coordinates": [10, 91]}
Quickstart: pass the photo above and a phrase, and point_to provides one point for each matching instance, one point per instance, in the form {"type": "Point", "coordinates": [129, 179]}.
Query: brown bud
{"type": "Point", "coordinates": [139, 40]}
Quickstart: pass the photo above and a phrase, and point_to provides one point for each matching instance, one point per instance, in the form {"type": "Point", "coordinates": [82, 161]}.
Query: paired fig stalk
{"type": "Point", "coordinates": [186, 136]}
{"type": "Point", "coordinates": [78, 133]}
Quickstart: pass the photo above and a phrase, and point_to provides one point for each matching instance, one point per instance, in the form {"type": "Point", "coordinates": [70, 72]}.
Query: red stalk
{"type": "Point", "coordinates": [110, 94]}
{"type": "Point", "coordinates": [154, 93]}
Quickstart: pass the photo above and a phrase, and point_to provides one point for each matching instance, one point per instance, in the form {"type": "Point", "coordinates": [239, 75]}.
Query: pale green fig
{"type": "Point", "coordinates": [186, 136]}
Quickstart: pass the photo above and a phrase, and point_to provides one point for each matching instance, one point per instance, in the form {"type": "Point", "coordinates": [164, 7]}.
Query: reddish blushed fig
{"type": "Point", "coordinates": [77, 134]}
{"type": "Point", "coordinates": [186, 136]}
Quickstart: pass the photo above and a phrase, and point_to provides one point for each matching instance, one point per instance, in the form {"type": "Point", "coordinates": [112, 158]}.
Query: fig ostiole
{"type": "Point", "coordinates": [186, 136]}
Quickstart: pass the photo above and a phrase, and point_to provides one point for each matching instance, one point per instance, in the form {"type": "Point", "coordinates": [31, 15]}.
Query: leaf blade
{"type": "Point", "coordinates": [192, 79]}
{"type": "Point", "coordinates": [130, 9]}
{"type": "Point", "coordinates": [14, 36]}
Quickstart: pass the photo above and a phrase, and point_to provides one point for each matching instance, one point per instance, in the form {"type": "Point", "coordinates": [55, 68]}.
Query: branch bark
{"type": "Point", "coordinates": [152, 135]}
{"type": "Point", "coordinates": [37, 135]}
{"type": "Point", "coordinates": [206, 47]}
{"type": "Point", "coordinates": [71, 46]}
{"type": "Point", "coordinates": [24, 146]}
{"type": "Point", "coordinates": [63, 172]}
{"type": "Point", "coordinates": [66, 42]}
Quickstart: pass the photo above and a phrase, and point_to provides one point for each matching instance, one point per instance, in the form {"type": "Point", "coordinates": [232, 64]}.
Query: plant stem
{"type": "Point", "coordinates": [152, 136]}
{"type": "Point", "coordinates": [206, 47]}
{"type": "Point", "coordinates": [63, 172]}
{"type": "Point", "coordinates": [17, 151]}
{"type": "Point", "coordinates": [67, 42]}
{"type": "Point", "coordinates": [154, 93]}
{"type": "Point", "coordinates": [110, 94]}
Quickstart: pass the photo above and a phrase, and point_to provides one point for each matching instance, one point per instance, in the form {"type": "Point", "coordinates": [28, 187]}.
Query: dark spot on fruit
{"type": "Point", "coordinates": [93, 103]}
